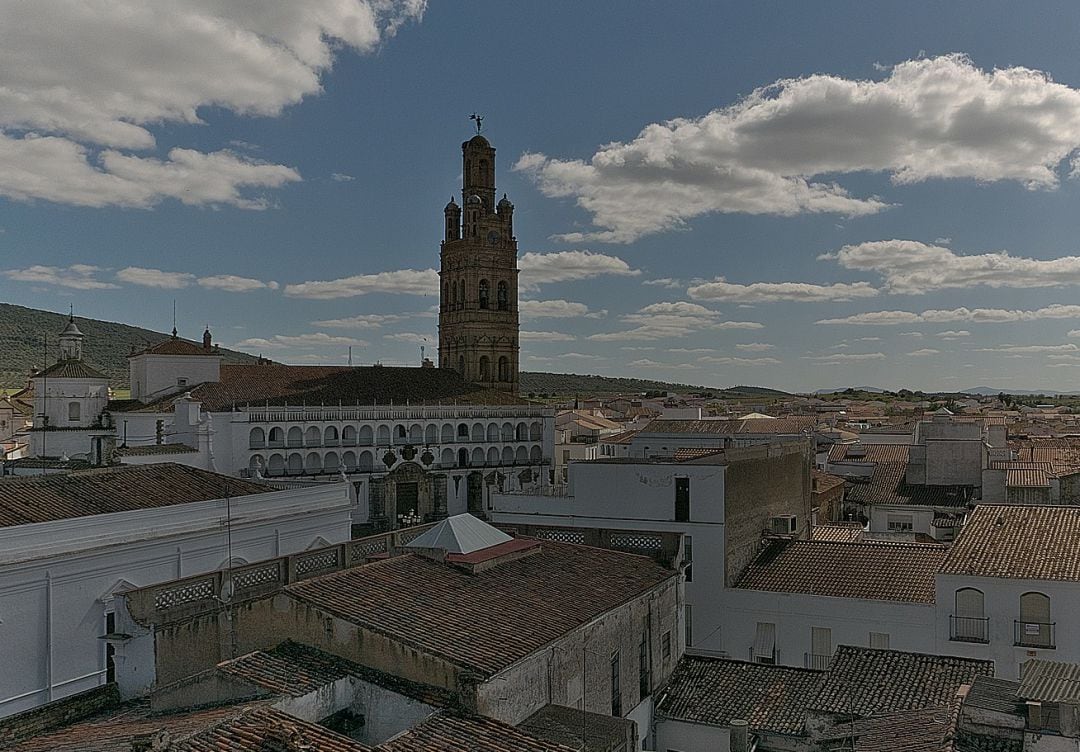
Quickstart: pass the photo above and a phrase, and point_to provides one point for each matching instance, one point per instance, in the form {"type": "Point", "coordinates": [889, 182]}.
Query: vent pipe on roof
{"type": "Point", "coordinates": [739, 735]}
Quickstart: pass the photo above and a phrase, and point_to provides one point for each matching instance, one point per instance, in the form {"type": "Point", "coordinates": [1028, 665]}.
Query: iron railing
{"type": "Point", "coordinates": [1034, 634]}
{"type": "Point", "coordinates": [969, 628]}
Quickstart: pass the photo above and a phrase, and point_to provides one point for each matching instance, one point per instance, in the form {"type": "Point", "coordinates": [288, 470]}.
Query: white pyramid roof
{"type": "Point", "coordinates": [460, 534]}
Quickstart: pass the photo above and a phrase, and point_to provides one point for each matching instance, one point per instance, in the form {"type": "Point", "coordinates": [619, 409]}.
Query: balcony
{"type": "Point", "coordinates": [969, 629]}
{"type": "Point", "coordinates": [817, 661]}
{"type": "Point", "coordinates": [1034, 634]}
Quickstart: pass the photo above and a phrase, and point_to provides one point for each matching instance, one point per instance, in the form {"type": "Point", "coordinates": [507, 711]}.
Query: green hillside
{"type": "Point", "coordinates": [107, 344]}
{"type": "Point", "coordinates": [569, 384]}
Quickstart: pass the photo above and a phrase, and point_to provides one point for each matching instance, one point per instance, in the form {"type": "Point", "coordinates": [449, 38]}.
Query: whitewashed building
{"type": "Point", "coordinates": [69, 543]}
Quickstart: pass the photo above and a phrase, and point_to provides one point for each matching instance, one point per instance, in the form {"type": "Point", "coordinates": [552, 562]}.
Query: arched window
{"type": "Point", "coordinates": [74, 411]}
{"type": "Point", "coordinates": [1035, 628]}
{"type": "Point", "coordinates": [483, 172]}
{"type": "Point", "coordinates": [257, 438]}
{"type": "Point", "coordinates": [503, 297]}
{"type": "Point", "coordinates": [485, 368]}
{"type": "Point", "coordinates": [485, 292]}
{"type": "Point", "coordinates": [463, 458]}
{"type": "Point", "coordinates": [461, 293]}
{"type": "Point", "coordinates": [969, 623]}
{"type": "Point", "coordinates": [504, 368]}
{"type": "Point", "coordinates": [446, 295]}
{"type": "Point", "coordinates": [277, 436]}
{"type": "Point", "coordinates": [463, 431]}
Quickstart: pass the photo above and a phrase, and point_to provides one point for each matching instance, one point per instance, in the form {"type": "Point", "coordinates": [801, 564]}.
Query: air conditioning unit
{"type": "Point", "coordinates": [784, 524]}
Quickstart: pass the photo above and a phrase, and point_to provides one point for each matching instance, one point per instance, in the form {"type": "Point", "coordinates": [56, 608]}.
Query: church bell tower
{"type": "Point", "coordinates": [478, 308]}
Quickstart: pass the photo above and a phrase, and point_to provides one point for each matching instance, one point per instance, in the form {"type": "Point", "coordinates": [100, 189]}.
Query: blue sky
{"type": "Point", "coordinates": [792, 195]}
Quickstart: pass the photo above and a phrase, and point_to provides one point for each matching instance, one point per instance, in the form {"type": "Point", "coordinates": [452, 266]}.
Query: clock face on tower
{"type": "Point", "coordinates": [493, 237]}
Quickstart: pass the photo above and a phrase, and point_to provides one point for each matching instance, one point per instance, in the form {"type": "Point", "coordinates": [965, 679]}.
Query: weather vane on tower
{"type": "Point", "coordinates": [479, 120]}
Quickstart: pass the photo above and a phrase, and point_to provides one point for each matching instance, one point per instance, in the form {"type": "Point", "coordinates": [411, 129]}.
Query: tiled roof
{"type": "Point", "coordinates": [887, 485]}
{"type": "Point", "coordinates": [793, 424]}
{"type": "Point", "coordinates": [923, 730]}
{"type": "Point", "coordinates": [838, 532]}
{"type": "Point", "coordinates": [1050, 681]}
{"type": "Point", "coordinates": [70, 369]}
{"type": "Point", "coordinates": [870, 570]}
{"type": "Point", "coordinates": [685, 454]}
{"type": "Point", "coordinates": [293, 669]}
{"type": "Point", "coordinates": [454, 733]}
{"type": "Point", "coordinates": [1018, 541]}
{"type": "Point", "coordinates": [867, 682]}
{"type": "Point", "coordinates": [276, 384]}
{"type": "Point", "coordinates": [714, 691]}
{"type": "Point", "coordinates": [1026, 478]}
{"type": "Point", "coordinates": [519, 606]}
{"type": "Point", "coordinates": [147, 450]}
{"type": "Point", "coordinates": [619, 438]}
{"type": "Point", "coordinates": [253, 729]}
{"type": "Point", "coordinates": [121, 488]}
{"type": "Point", "coordinates": [825, 481]}
{"type": "Point", "coordinates": [564, 725]}
{"type": "Point", "coordinates": [997, 695]}
{"type": "Point", "coordinates": [175, 346]}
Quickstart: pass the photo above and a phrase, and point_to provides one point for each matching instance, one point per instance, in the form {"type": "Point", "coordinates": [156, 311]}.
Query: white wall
{"type": "Point", "coordinates": [680, 736]}
{"type": "Point", "coordinates": [154, 376]}
{"type": "Point", "coordinates": [57, 578]}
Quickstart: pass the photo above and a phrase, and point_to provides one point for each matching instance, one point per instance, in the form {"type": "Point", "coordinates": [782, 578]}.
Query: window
{"type": "Point", "coordinates": [764, 649]}
{"type": "Point", "coordinates": [74, 411]}
{"type": "Point", "coordinates": [682, 499]}
{"type": "Point", "coordinates": [879, 640]}
{"type": "Point", "coordinates": [688, 557]}
{"type": "Point", "coordinates": [900, 523]}
{"type": "Point", "coordinates": [110, 648]}
{"type": "Point", "coordinates": [463, 431]}
{"type": "Point", "coordinates": [504, 368]}
{"type": "Point", "coordinates": [1035, 628]}
{"type": "Point", "coordinates": [503, 297]}
{"type": "Point", "coordinates": [644, 679]}
{"type": "Point", "coordinates": [616, 687]}
{"type": "Point", "coordinates": [820, 648]}
{"type": "Point", "coordinates": [485, 367]}
{"type": "Point", "coordinates": [688, 617]}
{"type": "Point", "coordinates": [485, 293]}
{"type": "Point", "coordinates": [181, 382]}
{"type": "Point", "coordinates": [665, 646]}
{"type": "Point", "coordinates": [969, 623]}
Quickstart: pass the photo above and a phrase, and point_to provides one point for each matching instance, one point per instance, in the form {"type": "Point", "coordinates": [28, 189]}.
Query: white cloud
{"type": "Point", "coordinates": [402, 281]}
{"type": "Point", "coordinates": [843, 357]}
{"type": "Point", "coordinates": [137, 275]}
{"type": "Point", "coordinates": [409, 337]}
{"type": "Point", "coordinates": [754, 347]}
{"type": "Point", "coordinates": [768, 292]}
{"type": "Point", "coordinates": [647, 363]}
{"type": "Point", "coordinates": [671, 321]}
{"type": "Point", "coordinates": [951, 334]}
{"type": "Point", "coordinates": [78, 77]}
{"type": "Point", "coordinates": [579, 356]}
{"type": "Point", "coordinates": [285, 341]}
{"type": "Point", "coordinates": [340, 177]}
{"type": "Point", "coordinates": [937, 117]}
{"type": "Point", "coordinates": [909, 267]}
{"type": "Point", "coordinates": [1018, 349]}
{"type": "Point", "coordinates": [556, 309]}
{"type": "Point", "coordinates": [911, 334]}
{"type": "Point", "coordinates": [233, 283]}
{"type": "Point", "coordinates": [525, 336]}
{"type": "Point", "coordinates": [668, 282]}
{"type": "Point", "coordinates": [363, 321]}
{"type": "Point", "coordinates": [729, 361]}
{"type": "Point", "coordinates": [74, 277]}
{"type": "Point", "coordinates": [566, 266]}
{"type": "Point", "coordinates": [972, 315]}
{"type": "Point", "coordinates": [924, 352]}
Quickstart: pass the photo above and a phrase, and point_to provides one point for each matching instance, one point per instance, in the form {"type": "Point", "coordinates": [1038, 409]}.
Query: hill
{"type": "Point", "coordinates": [107, 344]}
{"type": "Point", "coordinates": [569, 384]}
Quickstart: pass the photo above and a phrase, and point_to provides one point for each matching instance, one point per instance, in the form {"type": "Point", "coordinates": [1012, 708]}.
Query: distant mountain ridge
{"type": "Point", "coordinates": [106, 348]}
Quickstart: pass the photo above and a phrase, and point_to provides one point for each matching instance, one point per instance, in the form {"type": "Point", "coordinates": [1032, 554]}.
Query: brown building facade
{"type": "Point", "coordinates": [478, 309]}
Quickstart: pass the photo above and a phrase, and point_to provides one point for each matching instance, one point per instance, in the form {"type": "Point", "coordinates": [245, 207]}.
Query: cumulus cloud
{"type": "Point", "coordinates": [1028, 349]}
{"type": "Point", "coordinates": [233, 283]}
{"type": "Point", "coordinates": [754, 347]}
{"type": "Point", "coordinates": [671, 320]}
{"type": "Point", "coordinates": [972, 315]}
{"type": "Point", "coordinates": [952, 334]}
{"type": "Point", "coordinates": [844, 357]}
{"type": "Point", "coordinates": [403, 281]}
{"type": "Point", "coordinates": [668, 282]}
{"type": "Point", "coordinates": [80, 86]}
{"type": "Point", "coordinates": [137, 275]}
{"type": "Point", "coordinates": [566, 266]}
{"type": "Point", "coordinates": [526, 336]}
{"type": "Point", "coordinates": [720, 290]}
{"type": "Point", "coordinates": [74, 277]}
{"type": "Point", "coordinates": [938, 117]}
{"type": "Point", "coordinates": [285, 341]}
{"type": "Point", "coordinates": [363, 321]}
{"type": "Point", "coordinates": [556, 309]}
{"type": "Point", "coordinates": [909, 267]}
{"type": "Point", "coordinates": [735, 361]}
{"type": "Point", "coordinates": [924, 352]}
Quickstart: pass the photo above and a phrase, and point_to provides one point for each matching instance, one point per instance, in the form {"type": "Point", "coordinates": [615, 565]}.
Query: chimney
{"type": "Point", "coordinates": [739, 736]}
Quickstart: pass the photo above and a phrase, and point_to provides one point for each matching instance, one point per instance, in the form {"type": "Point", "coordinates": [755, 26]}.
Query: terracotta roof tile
{"type": "Point", "coordinates": [147, 450]}
{"type": "Point", "coordinates": [250, 731]}
{"type": "Point", "coordinates": [121, 488]}
{"type": "Point", "coordinates": [872, 570]}
{"type": "Point", "coordinates": [453, 733]}
{"type": "Point", "coordinates": [519, 606]}
{"type": "Point", "coordinates": [176, 346]}
{"type": "Point", "coordinates": [70, 369]}
{"type": "Point", "coordinates": [839, 532]}
{"type": "Point", "coordinates": [887, 484]}
{"type": "Point", "coordinates": [276, 384]}
{"type": "Point", "coordinates": [714, 691]}
{"type": "Point", "coordinates": [794, 424]}
{"type": "Point", "coordinates": [1018, 541]}
{"type": "Point", "coordinates": [867, 682]}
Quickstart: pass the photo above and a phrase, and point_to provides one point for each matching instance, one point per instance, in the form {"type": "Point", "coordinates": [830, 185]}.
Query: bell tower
{"type": "Point", "coordinates": [478, 307]}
